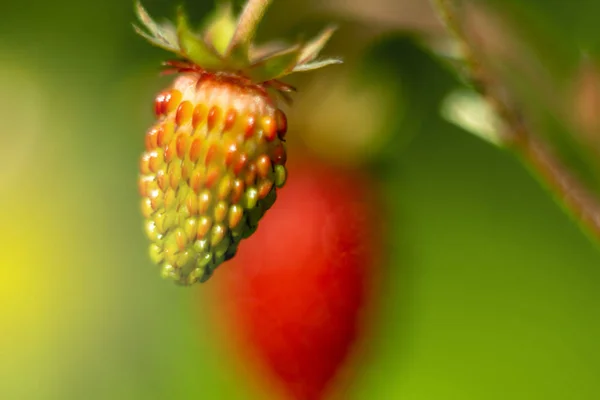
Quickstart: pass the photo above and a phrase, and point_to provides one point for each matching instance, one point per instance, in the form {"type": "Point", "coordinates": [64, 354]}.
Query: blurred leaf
{"type": "Point", "coordinates": [220, 27]}
{"type": "Point", "coordinates": [470, 111]}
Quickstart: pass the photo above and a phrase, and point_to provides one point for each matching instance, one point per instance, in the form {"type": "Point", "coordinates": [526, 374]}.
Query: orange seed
{"type": "Point", "coordinates": [184, 113]}
{"type": "Point", "coordinates": [181, 145]}
{"type": "Point", "coordinates": [211, 119]}
{"type": "Point", "coordinates": [230, 119]}
{"type": "Point", "coordinates": [281, 121]}
{"type": "Point", "coordinates": [269, 128]}
{"type": "Point", "coordinates": [263, 166]}
{"type": "Point", "coordinates": [195, 149]}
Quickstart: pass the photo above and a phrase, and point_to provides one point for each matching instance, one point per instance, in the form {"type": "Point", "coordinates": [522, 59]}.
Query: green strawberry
{"type": "Point", "coordinates": [215, 157]}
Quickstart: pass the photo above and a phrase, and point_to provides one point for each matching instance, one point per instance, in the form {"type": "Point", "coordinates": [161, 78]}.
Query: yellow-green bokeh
{"type": "Point", "coordinates": [491, 290]}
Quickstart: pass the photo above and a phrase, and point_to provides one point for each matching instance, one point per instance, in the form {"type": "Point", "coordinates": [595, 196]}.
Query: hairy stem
{"type": "Point", "coordinates": [248, 23]}
{"type": "Point", "coordinates": [538, 156]}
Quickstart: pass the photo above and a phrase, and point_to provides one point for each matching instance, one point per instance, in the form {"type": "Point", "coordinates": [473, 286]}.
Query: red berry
{"type": "Point", "coordinates": [295, 292]}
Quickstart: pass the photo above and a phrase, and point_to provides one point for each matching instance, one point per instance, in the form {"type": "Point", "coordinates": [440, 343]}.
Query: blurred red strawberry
{"type": "Point", "coordinates": [296, 292]}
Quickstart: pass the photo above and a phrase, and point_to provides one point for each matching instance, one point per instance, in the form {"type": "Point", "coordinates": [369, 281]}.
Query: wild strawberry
{"type": "Point", "coordinates": [298, 305]}
{"type": "Point", "coordinates": [215, 157]}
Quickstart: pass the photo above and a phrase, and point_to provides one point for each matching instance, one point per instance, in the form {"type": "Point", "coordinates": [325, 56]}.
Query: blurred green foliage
{"type": "Point", "coordinates": [491, 290]}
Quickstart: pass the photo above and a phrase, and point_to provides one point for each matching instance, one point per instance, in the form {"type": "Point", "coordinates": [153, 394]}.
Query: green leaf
{"type": "Point", "coordinates": [473, 113]}
{"type": "Point", "coordinates": [277, 65]}
{"type": "Point", "coordinates": [317, 64]}
{"type": "Point", "coordinates": [264, 51]}
{"type": "Point", "coordinates": [194, 48]}
{"type": "Point", "coordinates": [314, 47]}
{"type": "Point", "coordinates": [160, 35]}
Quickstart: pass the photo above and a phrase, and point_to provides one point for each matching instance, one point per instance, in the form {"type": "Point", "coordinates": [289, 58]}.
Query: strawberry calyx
{"type": "Point", "coordinates": [178, 66]}
{"type": "Point", "coordinates": [224, 45]}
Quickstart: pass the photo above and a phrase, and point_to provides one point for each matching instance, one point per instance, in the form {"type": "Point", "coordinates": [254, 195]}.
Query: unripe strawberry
{"type": "Point", "coordinates": [215, 157]}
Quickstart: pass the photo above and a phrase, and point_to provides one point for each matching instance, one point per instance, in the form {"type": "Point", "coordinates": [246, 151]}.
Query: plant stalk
{"type": "Point", "coordinates": [534, 153]}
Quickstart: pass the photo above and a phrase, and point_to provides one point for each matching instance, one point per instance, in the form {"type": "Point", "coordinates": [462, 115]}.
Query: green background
{"type": "Point", "coordinates": [491, 290]}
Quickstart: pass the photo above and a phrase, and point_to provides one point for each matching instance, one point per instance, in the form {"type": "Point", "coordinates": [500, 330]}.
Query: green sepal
{"type": "Point", "coordinates": [316, 64]}
{"type": "Point", "coordinates": [266, 50]}
{"type": "Point", "coordinates": [226, 43]}
{"type": "Point", "coordinates": [276, 65]}
{"type": "Point", "coordinates": [194, 48]}
{"type": "Point", "coordinates": [312, 49]}
{"type": "Point", "coordinates": [247, 25]}
{"type": "Point", "coordinates": [220, 27]}
{"type": "Point", "coordinates": [161, 35]}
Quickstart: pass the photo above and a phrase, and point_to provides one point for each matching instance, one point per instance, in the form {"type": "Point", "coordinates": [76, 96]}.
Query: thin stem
{"type": "Point", "coordinates": [582, 204]}
{"type": "Point", "coordinates": [573, 194]}
{"type": "Point", "coordinates": [248, 22]}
